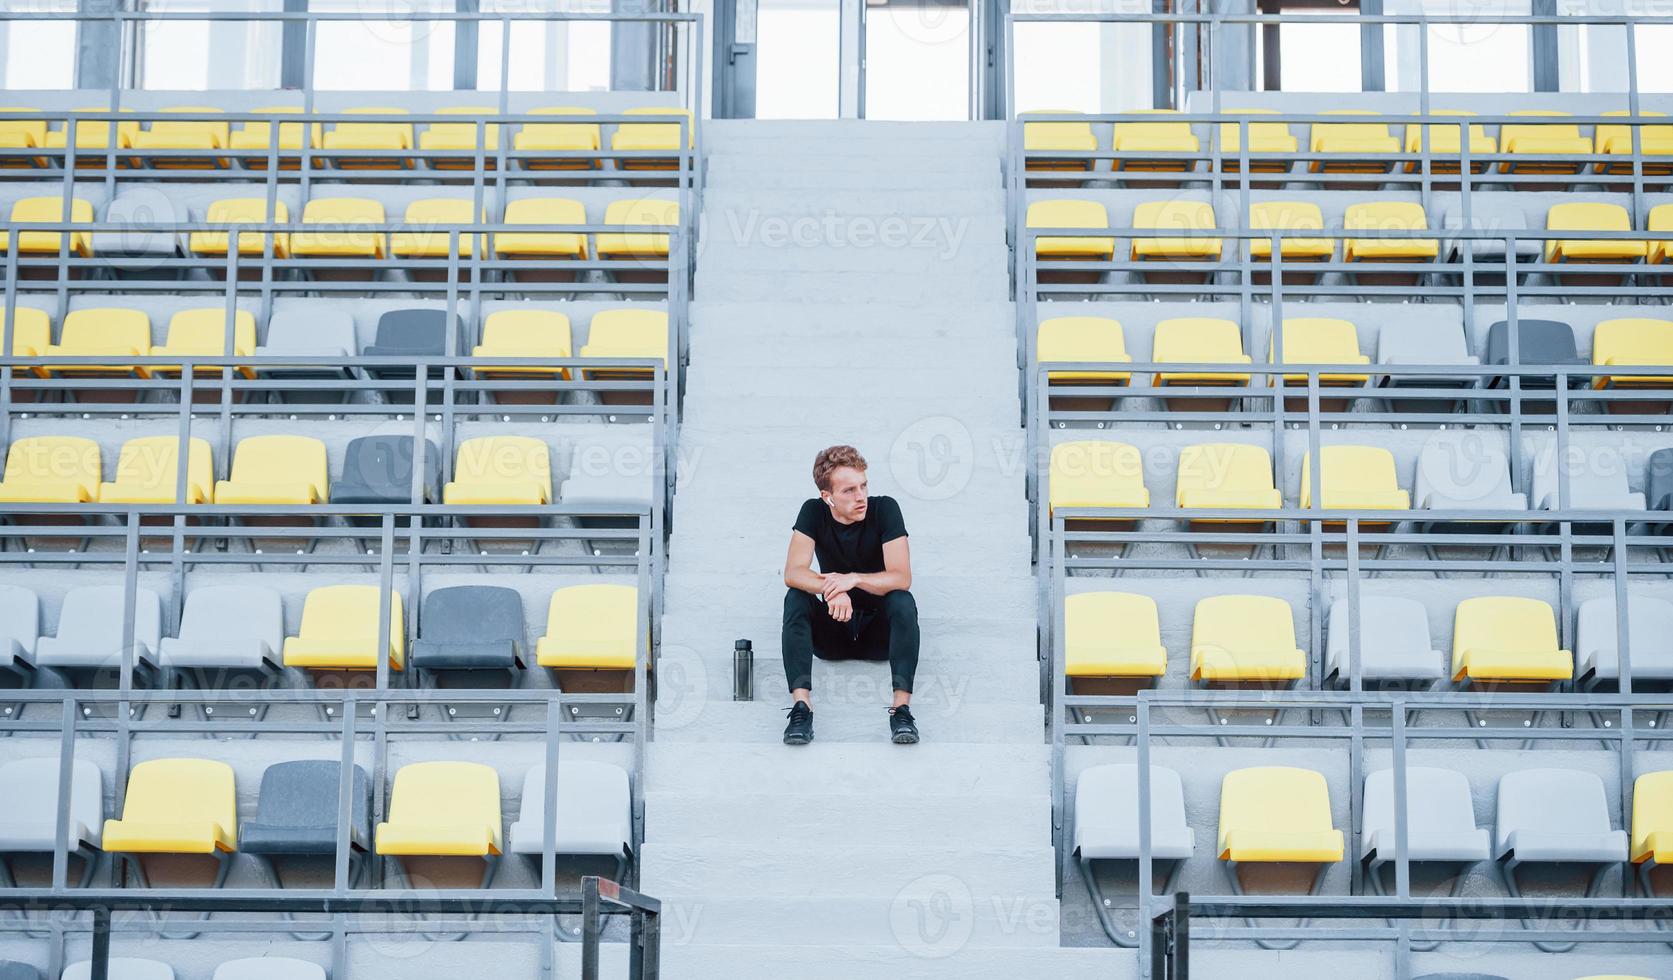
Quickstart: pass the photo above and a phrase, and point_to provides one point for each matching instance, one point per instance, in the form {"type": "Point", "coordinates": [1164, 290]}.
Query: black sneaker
{"type": "Point", "coordinates": [800, 729]}
{"type": "Point", "coordinates": [901, 729]}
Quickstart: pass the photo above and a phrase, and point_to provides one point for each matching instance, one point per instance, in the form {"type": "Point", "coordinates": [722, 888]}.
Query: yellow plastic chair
{"type": "Point", "coordinates": [288, 470]}
{"type": "Point", "coordinates": [1264, 137]}
{"type": "Point", "coordinates": [1096, 473]}
{"type": "Point", "coordinates": [627, 333]}
{"type": "Point", "coordinates": [1112, 634]}
{"type": "Point", "coordinates": [591, 627]}
{"type": "Point", "coordinates": [444, 809]}
{"type": "Point", "coordinates": [340, 630]}
{"type": "Point", "coordinates": [201, 133]}
{"type": "Point", "coordinates": [1652, 824]}
{"type": "Point", "coordinates": [1354, 478]}
{"type": "Point", "coordinates": [1361, 147]}
{"type": "Point", "coordinates": [256, 137]}
{"type": "Point", "coordinates": [99, 333]}
{"type": "Point", "coordinates": [1225, 476]}
{"type": "Point", "coordinates": [1160, 136]}
{"type": "Point", "coordinates": [435, 214]}
{"type": "Point", "coordinates": [525, 333]}
{"type": "Point", "coordinates": [203, 333]}
{"type": "Point", "coordinates": [1445, 144]}
{"type": "Point", "coordinates": [148, 471]}
{"type": "Point", "coordinates": [637, 137]}
{"type": "Point", "coordinates": [1591, 216]}
{"type": "Point", "coordinates": [461, 137]}
{"type": "Point", "coordinates": [576, 137]}
{"type": "Point", "coordinates": [178, 806]}
{"type": "Point", "coordinates": [1199, 340]}
{"type": "Point", "coordinates": [94, 138]}
{"type": "Point", "coordinates": [339, 214]}
{"type": "Point", "coordinates": [52, 470]}
{"type": "Point", "coordinates": [370, 136]}
{"type": "Point", "coordinates": [47, 242]}
{"type": "Point", "coordinates": [501, 470]}
{"type": "Point", "coordinates": [1653, 141]}
{"type": "Point", "coordinates": [1289, 216]}
{"type": "Point", "coordinates": [548, 211]}
{"type": "Point", "coordinates": [1507, 639]}
{"type": "Point", "coordinates": [19, 132]}
{"type": "Point", "coordinates": [641, 211]}
{"type": "Point", "coordinates": [1039, 138]}
{"type": "Point", "coordinates": [1661, 220]}
{"type": "Point", "coordinates": [1189, 218]}
{"type": "Point", "coordinates": [1082, 338]}
{"type": "Point", "coordinates": [1388, 216]}
{"type": "Point", "coordinates": [1070, 213]}
{"type": "Point", "coordinates": [1244, 639]}
{"type": "Point", "coordinates": [31, 333]}
{"type": "Point", "coordinates": [1276, 815]}
{"type": "Point", "coordinates": [1543, 139]}
{"type": "Point", "coordinates": [1632, 341]}
{"type": "Point", "coordinates": [242, 211]}
{"type": "Point", "coordinates": [1320, 340]}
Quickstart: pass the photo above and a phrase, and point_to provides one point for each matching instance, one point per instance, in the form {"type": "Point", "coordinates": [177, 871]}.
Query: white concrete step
{"type": "Point", "coordinates": [745, 869]}
{"type": "Point", "coordinates": [764, 515]}
{"type": "Point", "coordinates": [1011, 920]}
{"type": "Point", "coordinates": [813, 168]}
{"type": "Point", "coordinates": [741, 225]}
{"type": "Point", "coordinates": [799, 347]}
{"type": "Point", "coordinates": [843, 286]}
{"type": "Point", "coordinates": [827, 174]}
{"type": "Point", "coordinates": [997, 593]}
{"type": "Point", "coordinates": [948, 676]}
{"type": "Point", "coordinates": [937, 955]}
{"type": "Point", "coordinates": [922, 318]}
{"type": "Point", "coordinates": [886, 381]}
{"type": "Point", "coordinates": [776, 819]}
{"type": "Point", "coordinates": [814, 412]}
{"type": "Point", "coordinates": [930, 768]}
{"type": "Point", "coordinates": [931, 250]}
{"type": "Point", "coordinates": [827, 135]}
{"type": "Point", "coordinates": [928, 206]}
{"type": "Point", "coordinates": [865, 720]}
{"type": "Point", "coordinates": [934, 554]}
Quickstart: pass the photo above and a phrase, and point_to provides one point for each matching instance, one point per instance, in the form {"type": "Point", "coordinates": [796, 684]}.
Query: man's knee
{"type": "Point", "coordinates": [797, 605]}
{"type": "Point", "coordinates": [900, 606]}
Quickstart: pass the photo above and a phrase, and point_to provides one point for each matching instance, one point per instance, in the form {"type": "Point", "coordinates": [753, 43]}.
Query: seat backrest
{"type": "Point", "coordinates": [154, 462]}
{"type": "Point", "coordinates": [1067, 213]}
{"type": "Point", "coordinates": [246, 210]}
{"type": "Point", "coordinates": [1595, 474]}
{"type": "Point", "coordinates": [499, 459]}
{"type": "Point", "coordinates": [199, 123]}
{"type": "Point", "coordinates": [643, 211]}
{"type": "Point", "coordinates": [1317, 340]}
{"type": "Point", "coordinates": [269, 968]}
{"type": "Point", "coordinates": [1538, 342]}
{"type": "Point", "coordinates": [1462, 465]}
{"type": "Point", "coordinates": [1196, 338]}
{"type": "Point", "coordinates": [313, 330]}
{"type": "Point", "coordinates": [1277, 799]}
{"type": "Point", "coordinates": [1259, 132]}
{"type": "Point", "coordinates": [1286, 215]}
{"type": "Point", "coordinates": [107, 329]}
{"type": "Point", "coordinates": [180, 791]}
{"type": "Point", "coordinates": [1322, 132]}
{"type": "Point", "coordinates": [204, 331]}
{"type": "Point", "coordinates": [1117, 786]}
{"type": "Point", "coordinates": [12, 969]}
{"type": "Point", "coordinates": [303, 793]}
{"type": "Point", "coordinates": [1649, 630]}
{"type": "Point", "coordinates": [463, 613]}
{"type": "Point", "coordinates": [1652, 807]}
{"type": "Point", "coordinates": [1587, 216]}
{"type": "Point", "coordinates": [1385, 216]}
{"type": "Point", "coordinates": [587, 132]}
{"type": "Point", "coordinates": [1221, 467]}
{"type": "Point", "coordinates": [122, 968]}
{"type": "Point", "coordinates": [31, 331]}
{"type": "Point", "coordinates": [1095, 467]}
{"type": "Point", "coordinates": [92, 617]}
{"type": "Point", "coordinates": [1552, 801]}
{"type": "Point", "coordinates": [545, 211]}
{"type": "Point", "coordinates": [68, 458]}
{"type": "Point", "coordinates": [1347, 469]}
{"type": "Point", "coordinates": [1391, 629]}
{"type": "Point", "coordinates": [628, 333]}
{"type": "Point", "coordinates": [1510, 132]}
{"type": "Point", "coordinates": [427, 212]}
{"type": "Point", "coordinates": [1243, 623]}
{"type": "Point", "coordinates": [349, 612]}
{"type": "Point", "coordinates": [446, 793]}
{"type": "Point", "coordinates": [343, 210]}
{"type": "Point", "coordinates": [20, 616]}
{"type": "Point", "coordinates": [1175, 215]}
{"type": "Point", "coordinates": [545, 330]}
{"type": "Point", "coordinates": [1486, 214]}
{"type": "Point", "coordinates": [1424, 342]}
{"type": "Point", "coordinates": [1498, 622]}
{"type": "Point", "coordinates": [1438, 801]}
{"type": "Point", "coordinates": [218, 612]}
{"type": "Point", "coordinates": [384, 464]}
{"type": "Point", "coordinates": [1157, 126]}
{"type": "Point", "coordinates": [32, 794]}
{"type": "Point", "coordinates": [415, 331]}
{"type": "Point", "coordinates": [1658, 480]}
{"type": "Point", "coordinates": [136, 209]}
{"type": "Point", "coordinates": [1080, 338]}
{"type": "Point", "coordinates": [585, 788]}
{"type": "Point", "coordinates": [602, 616]}
{"type": "Point", "coordinates": [1126, 620]}
{"type": "Point", "coordinates": [51, 208]}
{"type": "Point", "coordinates": [282, 459]}
{"type": "Point", "coordinates": [375, 133]}
{"type": "Point", "coordinates": [1633, 340]}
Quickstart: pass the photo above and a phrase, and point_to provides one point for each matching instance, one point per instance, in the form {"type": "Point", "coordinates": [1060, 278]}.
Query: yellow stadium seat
{"type": "Point", "coordinates": [1591, 216]}
{"type": "Point", "coordinates": [338, 213]}
{"type": "Point", "coordinates": [1653, 141]}
{"type": "Point", "coordinates": [1277, 814]}
{"type": "Point", "coordinates": [435, 214]}
{"type": "Point", "coordinates": [525, 333]}
{"type": "Point", "coordinates": [1264, 137]}
{"type": "Point", "coordinates": [31, 332]}
{"type": "Point", "coordinates": [201, 133]}
{"type": "Point", "coordinates": [1542, 139]}
{"type": "Point", "coordinates": [370, 136]}
{"type": "Point", "coordinates": [1614, 976]}
{"type": "Point", "coordinates": [52, 470]}
{"type": "Point", "coordinates": [340, 629]}
{"type": "Point", "coordinates": [203, 333]}
{"type": "Point", "coordinates": [1633, 341]}
{"type": "Point", "coordinates": [1057, 137]}
{"type": "Point", "coordinates": [1290, 216]}
{"type": "Point", "coordinates": [444, 809]}
{"type": "Point", "coordinates": [1507, 638]}
{"type": "Point", "coordinates": [1068, 213]}
{"type": "Point", "coordinates": [640, 137]}
{"type": "Point", "coordinates": [559, 138]}
{"type": "Point", "coordinates": [1097, 473]}
{"type": "Point", "coordinates": [642, 211]}
{"type": "Point", "coordinates": [547, 211]}
{"type": "Point", "coordinates": [1363, 147]}
{"type": "Point", "coordinates": [1082, 338]}
{"type": "Point", "coordinates": [242, 211]}
{"type": "Point", "coordinates": [1226, 476]}
{"type": "Point", "coordinates": [1244, 638]}
{"type": "Point", "coordinates": [1189, 219]}
{"type": "Point", "coordinates": [148, 471]}
{"type": "Point", "coordinates": [1661, 220]}
{"type": "Point", "coordinates": [1354, 478]}
{"type": "Point", "coordinates": [19, 132]}
{"type": "Point", "coordinates": [254, 137]}
{"type": "Point", "coordinates": [1446, 145]}
{"type": "Point", "coordinates": [1199, 340]}
{"type": "Point", "coordinates": [619, 334]}
{"type": "Point", "coordinates": [1320, 340]}
{"type": "Point", "coordinates": [94, 137]}
{"type": "Point", "coordinates": [461, 138]}
{"type": "Point", "coordinates": [501, 470]}
{"type": "Point", "coordinates": [101, 332]}
{"type": "Point", "coordinates": [1161, 136]}
{"type": "Point", "coordinates": [1652, 819]}
{"type": "Point", "coordinates": [1389, 216]}
{"type": "Point", "coordinates": [276, 470]}
{"type": "Point", "coordinates": [51, 208]}
{"type": "Point", "coordinates": [1112, 634]}
{"type": "Point", "coordinates": [591, 627]}
{"type": "Point", "coordinates": [177, 806]}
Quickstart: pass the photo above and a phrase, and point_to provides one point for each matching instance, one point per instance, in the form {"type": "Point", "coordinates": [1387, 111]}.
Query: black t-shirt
{"type": "Point", "coordinates": [856, 547]}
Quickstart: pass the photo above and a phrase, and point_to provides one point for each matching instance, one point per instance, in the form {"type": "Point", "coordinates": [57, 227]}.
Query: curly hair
{"type": "Point", "coordinates": [830, 459]}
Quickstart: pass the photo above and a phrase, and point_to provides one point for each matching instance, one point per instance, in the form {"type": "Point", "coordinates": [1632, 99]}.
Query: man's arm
{"type": "Point", "coordinates": [798, 565]}
{"type": "Point", "coordinates": [896, 573]}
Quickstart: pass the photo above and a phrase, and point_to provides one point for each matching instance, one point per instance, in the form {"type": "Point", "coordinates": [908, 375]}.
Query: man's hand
{"type": "Point", "coordinates": [836, 583]}
{"type": "Point", "coordinates": [840, 607]}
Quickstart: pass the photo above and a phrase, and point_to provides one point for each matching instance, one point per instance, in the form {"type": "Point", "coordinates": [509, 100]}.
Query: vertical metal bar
{"type": "Point", "coordinates": [345, 803]}
{"type": "Point", "coordinates": [101, 943]}
{"type": "Point", "coordinates": [549, 799]}
{"type": "Point", "coordinates": [1623, 606]}
{"type": "Point", "coordinates": [1356, 676]}
{"type": "Point", "coordinates": [589, 928]}
{"type": "Point", "coordinates": [1146, 858]}
{"type": "Point", "coordinates": [1356, 795]}
{"type": "Point", "coordinates": [1402, 829]}
{"type": "Point", "coordinates": [66, 772]}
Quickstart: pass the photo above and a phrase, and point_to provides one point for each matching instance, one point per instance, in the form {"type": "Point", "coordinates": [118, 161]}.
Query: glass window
{"type": "Point", "coordinates": [40, 54]}
{"type": "Point", "coordinates": [1057, 66]}
{"type": "Point", "coordinates": [1655, 69]}
{"type": "Point", "coordinates": [550, 56]}
{"type": "Point", "coordinates": [918, 60]}
{"type": "Point", "coordinates": [383, 53]}
{"type": "Point", "coordinates": [1322, 57]}
{"type": "Point", "coordinates": [797, 44]}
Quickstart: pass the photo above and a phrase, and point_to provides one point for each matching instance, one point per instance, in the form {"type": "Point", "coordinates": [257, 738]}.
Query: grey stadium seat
{"type": "Point", "coordinates": [1394, 642]}
{"type": "Point", "coordinates": [122, 968]}
{"type": "Point", "coordinates": [135, 248]}
{"type": "Point", "coordinates": [1658, 482]}
{"type": "Point", "coordinates": [1597, 480]}
{"type": "Point", "coordinates": [378, 470]}
{"type": "Point", "coordinates": [1488, 214]}
{"type": "Point", "coordinates": [1426, 342]}
{"type": "Point", "coordinates": [628, 493]}
{"type": "Point", "coordinates": [20, 627]}
{"type": "Point", "coordinates": [470, 627]}
{"type": "Point", "coordinates": [13, 970]}
{"type": "Point", "coordinates": [1440, 824]}
{"type": "Point", "coordinates": [594, 816]}
{"type": "Point", "coordinates": [296, 814]}
{"type": "Point", "coordinates": [1539, 342]}
{"type": "Point", "coordinates": [1107, 828]}
{"type": "Point", "coordinates": [29, 825]}
{"type": "Point", "coordinates": [1465, 470]}
{"type": "Point", "coordinates": [1555, 816]}
{"type": "Point", "coordinates": [310, 332]}
{"type": "Point", "coordinates": [1650, 625]}
{"type": "Point", "coordinates": [269, 968]}
{"type": "Point", "coordinates": [228, 626]}
{"type": "Point", "coordinates": [90, 629]}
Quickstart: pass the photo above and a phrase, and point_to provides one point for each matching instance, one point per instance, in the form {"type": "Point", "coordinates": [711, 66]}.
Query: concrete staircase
{"type": "Point", "coordinates": [852, 288]}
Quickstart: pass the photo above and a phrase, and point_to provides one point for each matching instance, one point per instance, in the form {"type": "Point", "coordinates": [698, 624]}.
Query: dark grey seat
{"type": "Point", "coordinates": [13, 970]}
{"type": "Point", "coordinates": [296, 812]}
{"type": "Point", "coordinates": [378, 470]}
{"type": "Point", "coordinates": [1658, 480]}
{"type": "Point", "coordinates": [470, 627]}
{"type": "Point", "coordinates": [411, 333]}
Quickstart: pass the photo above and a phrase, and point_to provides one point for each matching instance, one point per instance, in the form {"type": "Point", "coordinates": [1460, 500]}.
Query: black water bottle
{"type": "Point", "coordinates": [743, 671]}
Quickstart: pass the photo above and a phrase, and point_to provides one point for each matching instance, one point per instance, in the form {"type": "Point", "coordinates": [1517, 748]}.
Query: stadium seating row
{"type": "Point", "coordinates": [1455, 471]}
{"type": "Point", "coordinates": [137, 968]}
{"type": "Point", "coordinates": [1251, 638]}
{"type": "Point", "coordinates": [190, 806]}
{"type": "Point", "coordinates": [198, 129]}
{"type": "Point", "coordinates": [338, 217]}
{"type": "Point", "coordinates": [1362, 146]}
{"type": "Point", "coordinates": [1194, 222]}
{"type": "Point", "coordinates": [537, 333]}
{"type": "Point", "coordinates": [241, 627]}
